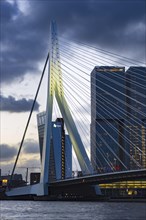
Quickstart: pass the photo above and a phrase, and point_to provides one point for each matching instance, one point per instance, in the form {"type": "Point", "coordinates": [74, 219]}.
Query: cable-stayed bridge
{"type": "Point", "coordinates": [99, 99]}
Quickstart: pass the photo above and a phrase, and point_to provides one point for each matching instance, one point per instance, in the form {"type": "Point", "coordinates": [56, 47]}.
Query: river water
{"type": "Point", "coordinates": [15, 210]}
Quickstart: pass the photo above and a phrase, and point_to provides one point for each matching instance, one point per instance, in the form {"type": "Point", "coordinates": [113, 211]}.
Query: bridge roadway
{"type": "Point", "coordinates": [78, 183]}
{"type": "Point", "coordinates": [102, 178]}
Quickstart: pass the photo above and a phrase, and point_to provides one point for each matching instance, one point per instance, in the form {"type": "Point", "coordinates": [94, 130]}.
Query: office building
{"type": "Point", "coordinates": [118, 124]}
{"type": "Point", "coordinates": [136, 111]}
{"type": "Point", "coordinates": [60, 148]}
{"type": "Point", "coordinates": [106, 117]}
{"type": "Point", "coordinates": [41, 126]}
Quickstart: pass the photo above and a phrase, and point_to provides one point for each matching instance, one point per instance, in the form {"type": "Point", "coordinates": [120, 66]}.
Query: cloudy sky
{"type": "Point", "coordinates": [114, 25]}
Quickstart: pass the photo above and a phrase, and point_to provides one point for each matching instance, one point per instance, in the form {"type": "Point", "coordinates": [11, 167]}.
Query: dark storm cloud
{"type": "Point", "coordinates": [8, 11]}
{"type": "Point", "coordinates": [7, 152]}
{"type": "Point", "coordinates": [10, 104]}
{"type": "Point", "coordinates": [115, 25]}
{"type": "Point", "coordinates": [31, 147]}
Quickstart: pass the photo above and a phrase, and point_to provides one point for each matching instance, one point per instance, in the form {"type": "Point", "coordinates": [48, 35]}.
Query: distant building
{"type": "Point", "coordinates": [16, 181]}
{"type": "Point", "coordinates": [34, 178]}
{"type": "Point", "coordinates": [60, 149]}
{"type": "Point", "coordinates": [113, 130]}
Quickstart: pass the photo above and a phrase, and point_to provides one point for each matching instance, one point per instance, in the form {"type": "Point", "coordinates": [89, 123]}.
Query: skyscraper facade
{"type": "Point", "coordinates": [41, 117]}
{"type": "Point", "coordinates": [106, 117]}
{"type": "Point", "coordinates": [136, 111]}
{"type": "Point", "coordinates": [60, 149]}
{"type": "Point", "coordinates": [112, 137]}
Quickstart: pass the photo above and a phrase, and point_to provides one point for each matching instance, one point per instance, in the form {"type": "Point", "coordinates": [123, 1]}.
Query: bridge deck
{"type": "Point", "coordinates": [103, 178]}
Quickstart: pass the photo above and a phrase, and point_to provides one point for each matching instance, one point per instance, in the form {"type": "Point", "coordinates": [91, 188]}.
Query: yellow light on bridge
{"type": "Point", "coordinates": [4, 182]}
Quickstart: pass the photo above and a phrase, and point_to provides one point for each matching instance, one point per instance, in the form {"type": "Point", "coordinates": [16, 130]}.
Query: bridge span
{"type": "Point", "coordinates": [102, 178]}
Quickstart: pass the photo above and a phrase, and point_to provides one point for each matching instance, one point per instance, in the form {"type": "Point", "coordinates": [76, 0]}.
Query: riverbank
{"type": "Point", "coordinates": [87, 199]}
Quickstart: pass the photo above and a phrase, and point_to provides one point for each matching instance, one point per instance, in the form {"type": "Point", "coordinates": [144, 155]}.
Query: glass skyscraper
{"type": "Point", "coordinates": [60, 149]}
{"type": "Point", "coordinates": [136, 111]}
{"type": "Point", "coordinates": [112, 118]}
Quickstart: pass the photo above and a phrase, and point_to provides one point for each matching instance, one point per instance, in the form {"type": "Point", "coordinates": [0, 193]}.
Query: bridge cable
{"type": "Point", "coordinates": [83, 59]}
{"type": "Point", "coordinates": [99, 49]}
{"type": "Point", "coordinates": [27, 124]}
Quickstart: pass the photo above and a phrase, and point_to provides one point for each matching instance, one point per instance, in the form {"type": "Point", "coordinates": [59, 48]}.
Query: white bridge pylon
{"type": "Point", "coordinates": [55, 88]}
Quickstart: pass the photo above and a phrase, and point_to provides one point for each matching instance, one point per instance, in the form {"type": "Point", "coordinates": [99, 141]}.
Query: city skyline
{"type": "Point", "coordinates": [24, 27]}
